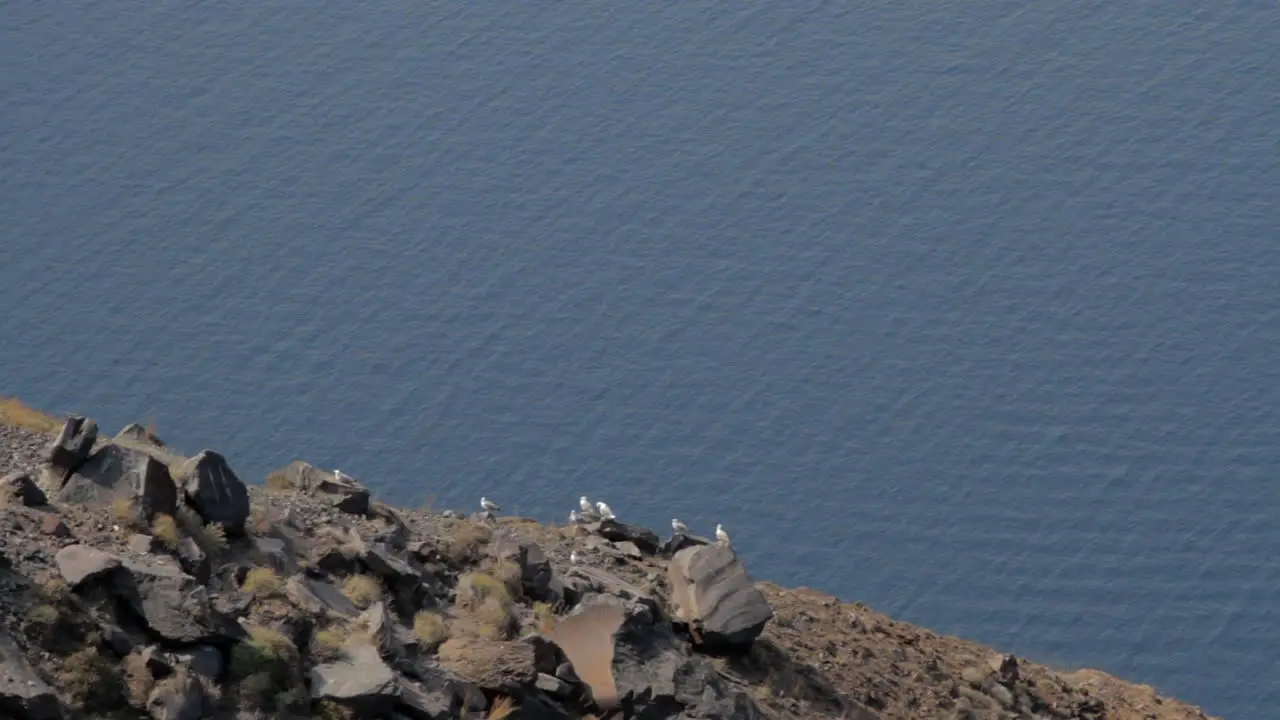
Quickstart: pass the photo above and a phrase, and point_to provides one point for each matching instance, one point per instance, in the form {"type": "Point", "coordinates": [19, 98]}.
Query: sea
{"type": "Point", "coordinates": [967, 311]}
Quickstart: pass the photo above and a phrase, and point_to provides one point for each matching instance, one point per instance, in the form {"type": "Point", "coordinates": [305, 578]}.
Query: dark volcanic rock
{"type": "Point", "coordinates": [81, 563]}
{"type": "Point", "coordinates": [135, 433]}
{"type": "Point", "coordinates": [344, 492]}
{"type": "Point", "coordinates": [644, 538]}
{"type": "Point", "coordinates": [215, 492]}
{"type": "Point", "coordinates": [171, 603]}
{"type": "Point", "coordinates": [72, 446]}
{"type": "Point", "coordinates": [115, 471]}
{"type": "Point", "coordinates": [23, 693]}
{"type": "Point", "coordinates": [319, 597]}
{"type": "Point", "coordinates": [535, 567]}
{"type": "Point", "coordinates": [21, 487]}
{"type": "Point", "coordinates": [194, 560]}
{"type": "Point", "coordinates": [711, 591]}
{"type": "Point", "coordinates": [680, 541]}
{"type": "Point", "coordinates": [361, 681]}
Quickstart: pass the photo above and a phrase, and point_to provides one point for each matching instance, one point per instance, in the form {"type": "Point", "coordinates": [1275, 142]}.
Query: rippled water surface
{"type": "Point", "coordinates": [969, 311]}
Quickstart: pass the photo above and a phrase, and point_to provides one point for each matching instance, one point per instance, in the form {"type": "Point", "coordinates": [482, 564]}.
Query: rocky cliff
{"type": "Point", "coordinates": [137, 581]}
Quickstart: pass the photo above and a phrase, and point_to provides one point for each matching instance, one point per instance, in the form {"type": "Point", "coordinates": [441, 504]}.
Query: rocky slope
{"type": "Point", "coordinates": [137, 582]}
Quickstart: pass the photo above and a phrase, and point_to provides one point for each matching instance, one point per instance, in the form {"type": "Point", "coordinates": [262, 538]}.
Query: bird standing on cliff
{"type": "Point", "coordinates": [585, 504]}
{"type": "Point", "coordinates": [605, 512]}
{"type": "Point", "coordinates": [574, 557]}
{"type": "Point", "coordinates": [573, 516]}
{"type": "Point", "coordinates": [489, 505]}
{"type": "Point", "coordinates": [721, 535]}
{"type": "Point", "coordinates": [679, 527]}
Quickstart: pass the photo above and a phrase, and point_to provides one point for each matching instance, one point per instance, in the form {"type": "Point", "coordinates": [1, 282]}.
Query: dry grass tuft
{"type": "Point", "coordinates": [126, 512]}
{"type": "Point", "coordinates": [476, 587]}
{"type": "Point", "coordinates": [165, 528]}
{"type": "Point", "coordinates": [211, 538]}
{"type": "Point", "coordinates": [511, 576]}
{"type": "Point", "coordinates": [259, 522]}
{"type": "Point", "coordinates": [544, 618]}
{"type": "Point", "coordinates": [502, 708]}
{"type": "Point", "coordinates": [278, 482]}
{"type": "Point", "coordinates": [464, 544]}
{"type": "Point", "coordinates": [93, 682]}
{"type": "Point", "coordinates": [18, 414]}
{"type": "Point", "coordinates": [326, 645]}
{"type": "Point", "coordinates": [330, 710]}
{"type": "Point", "coordinates": [363, 590]}
{"type": "Point", "coordinates": [496, 619]}
{"type": "Point", "coordinates": [263, 582]}
{"type": "Point", "coordinates": [430, 629]}
{"type": "Point", "coordinates": [265, 651]}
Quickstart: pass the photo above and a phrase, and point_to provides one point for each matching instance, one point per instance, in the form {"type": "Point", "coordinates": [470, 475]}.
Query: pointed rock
{"type": "Point", "coordinates": [72, 446]}
{"type": "Point", "coordinates": [711, 590]}
{"type": "Point", "coordinates": [113, 472]}
{"type": "Point", "coordinates": [215, 492]}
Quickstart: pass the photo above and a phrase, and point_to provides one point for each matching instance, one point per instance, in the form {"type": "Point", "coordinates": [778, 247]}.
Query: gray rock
{"type": "Point", "coordinates": [115, 471]}
{"type": "Point", "coordinates": [361, 681]}
{"type": "Point", "coordinates": [319, 597]}
{"type": "Point", "coordinates": [535, 567]}
{"type": "Point", "coordinates": [553, 685]}
{"type": "Point", "coordinates": [422, 703]}
{"type": "Point", "coordinates": [602, 582]}
{"type": "Point", "coordinates": [345, 493]}
{"type": "Point", "coordinates": [383, 562]}
{"type": "Point", "coordinates": [23, 693]}
{"type": "Point", "coordinates": [628, 548]}
{"type": "Point", "coordinates": [72, 446]}
{"type": "Point", "coordinates": [22, 487]}
{"type": "Point", "coordinates": [171, 603]}
{"type": "Point", "coordinates": [680, 541]}
{"type": "Point", "coordinates": [176, 698]}
{"type": "Point", "coordinates": [142, 544]}
{"type": "Point", "coordinates": [277, 553]}
{"type": "Point", "coordinates": [215, 492]}
{"type": "Point", "coordinates": [644, 538]}
{"type": "Point", "coordinates": [203, 660]}
{"type": "Point", "coordinates": [194, 560]}
{"type": "Point", "coordinates": [81, 563]}
{"type": "Point", "coordinates": [135, 433]}
{"type": "Point", "coordinates": [710, 590]}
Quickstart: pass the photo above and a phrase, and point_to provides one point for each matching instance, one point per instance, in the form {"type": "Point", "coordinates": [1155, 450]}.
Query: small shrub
{"type": "Point", "coordinates": [511, 576]}
{"type": "Point", "coordinates": [429, 629]}
{"type": "Point", "coordinates": [127, 513]}
{"type": "Point", "coordinates": [476, 587]}
{"type": "Point", "coordinates": [544, 618]}
{"type": "Point", "coordinates": [93, 682]}
{"type": "Point", "coordinates": [278, 482]}
{"type": "Point", "coordinates": [464, 544]}
{"type": "Point", "coordinates": [259, 522]}
{"type": "Point", "coordinates": [165, 528]}
{"type": "Point", "coordinates": [137, 680]}
{"type": "Point", "coordinates": [263, 582]}
{"type": "Point", "coordinates": [363, 590]}
{"type": "Point", "coordinates": [496, 619]}
{"type": "Point", "coordinates": [265, 651]}
{"type": "Point", "coordinates": [501, 708]}
{"type": "Point", "coordinates": [326, 645]}
{"type": "Point", "coordinates": [330, 710]}
{"type": "Point", "coordinates": [17, 413]}
{"type": "Point", "coordinates": [214, 538]}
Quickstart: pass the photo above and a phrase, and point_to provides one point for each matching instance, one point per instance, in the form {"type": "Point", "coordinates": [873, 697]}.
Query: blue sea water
{"type": "Point", "coordinates": [969, 311]}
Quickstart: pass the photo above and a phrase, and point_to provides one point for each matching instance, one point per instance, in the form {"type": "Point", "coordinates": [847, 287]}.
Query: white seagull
{"type": "Point", "coordinates": [679, 527]}
{"type": "Point", "coordinates": [605, 512]}
{"type": "Point", "coordinates": [574, 557]}
{"type": "Point", "coordinates": [721, 535]}
{"type": "Point", "coordinates": [573, 516]}
{"type": "Point", "coordinates": [585, 504]}
{"type": "Point", "coordinates": [489, 505]}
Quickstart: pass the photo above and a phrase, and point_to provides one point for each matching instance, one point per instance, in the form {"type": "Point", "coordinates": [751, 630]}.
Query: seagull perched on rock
{"type": "Point", "coordinates": [573, 516]}
{"type": "Point", "coordinates": [605, 512]}
{"type": "Point", "coordinates": [721, 535]}
{"type": "Point", "coordinates": [574, 557]}
{"type": "Point", "coordinates": [679, 527]}
{"type": "Point", "coordinates": [489, 505]}
{"type": "Point", "coordinates": [585, 504]}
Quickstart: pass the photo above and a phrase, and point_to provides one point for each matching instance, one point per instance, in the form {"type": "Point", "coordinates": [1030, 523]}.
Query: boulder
{"type": "Point", "coordinates": [276, 553]}
{"type": "Point", "coordinates": [115, 472]}
{"type": "Point", "coordinates": [215, 492]}
{"type": "Point", "coordinates": [172, 604]}
{"type": "Point", "coordinates": [383, 562]}
{"type": "Point", "coordinates": [599, 581]}
{"type": "Point", "coordinates": [644, 538]}
{"type": "Point", "coordinates": [54, 526]}
{"type": "Point", "coordinates": [194, 560]}
{"type": "Point", "coordinates": [142, 544]}
{"type": "Point", "coordinates": [361, 681]}
{"type": "Point", "coordinates": [21, 488]}
{"type": "Point", "coordinates": [202, 660]}
{"type": "Point", "coordinates": [81, 563]}
{"type": "Point", "coordinates": [499, 666]}
{"type": "Point", "coordinates": [535, 566]}
{"type": "Point", "coordinates": [711, 591]}
{"type": "Point", "coordinates": [23, 693]}
{"type": "Point", "coordinates": [320, 597]}
{"type": "Point", "coordinates": [680, 541]}
{"type": "Point", "coordinates": [72, 446]}
{"type": "Point", "coordinates": [135, 433]}
{"type": "Point", "coordinates": [344, 492]}
{"type": "Point", "coordinates": [178, 697]}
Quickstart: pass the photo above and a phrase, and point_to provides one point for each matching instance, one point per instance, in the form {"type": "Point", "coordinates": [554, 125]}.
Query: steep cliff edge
{"type": "Point", "coordinates": [138, 582]}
